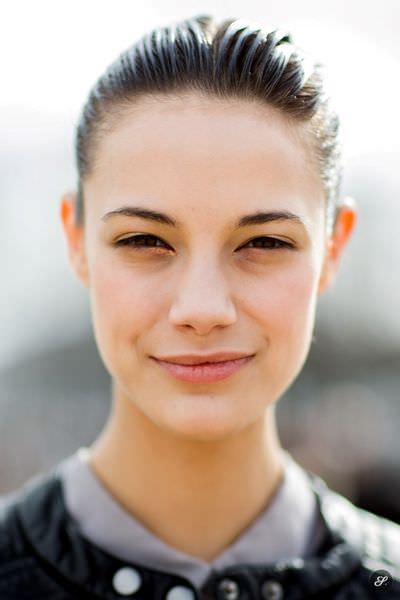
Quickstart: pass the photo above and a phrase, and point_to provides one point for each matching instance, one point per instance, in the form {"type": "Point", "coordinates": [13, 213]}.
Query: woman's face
{"type": "Point", "coordinates": [205, 284]}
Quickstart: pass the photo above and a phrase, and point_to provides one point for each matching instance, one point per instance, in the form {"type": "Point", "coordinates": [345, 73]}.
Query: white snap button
{"type": "Point", "coordinates": [179, 592]}
{"type": "Point", "coordinates": [126, 581]}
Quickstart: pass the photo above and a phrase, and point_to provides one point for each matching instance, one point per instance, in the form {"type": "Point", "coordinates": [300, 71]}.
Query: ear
{"type": "Point", "coordinates": [344, 225]}
{"type": "Point", "coordinates": [75, 236]}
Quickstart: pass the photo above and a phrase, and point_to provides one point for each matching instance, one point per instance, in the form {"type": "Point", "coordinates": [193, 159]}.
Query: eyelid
{"type": "Point", "coordinates": [271, 237]}
{"type": "Point", "coordinates": [125, 239]}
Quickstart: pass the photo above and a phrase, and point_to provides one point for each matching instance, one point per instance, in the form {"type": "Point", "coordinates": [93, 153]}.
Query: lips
{"type": "Point", "coordinates": [200, 359]}
{"type": "Point", "coordinates": [210, 372]}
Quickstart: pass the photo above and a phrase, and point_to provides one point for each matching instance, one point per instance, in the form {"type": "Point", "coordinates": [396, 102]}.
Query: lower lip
{"type": "Point", "coordinates": [205, 373]}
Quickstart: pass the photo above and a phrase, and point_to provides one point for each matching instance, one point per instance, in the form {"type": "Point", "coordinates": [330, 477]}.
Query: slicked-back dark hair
{"type": "Point", "coordinates": [231, 59]}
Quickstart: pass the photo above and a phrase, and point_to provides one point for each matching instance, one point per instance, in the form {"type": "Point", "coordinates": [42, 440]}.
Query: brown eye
{"type": "Point", "coordinates": [269, 243]}
{"type": "Point", "coordinates": [142, 240]}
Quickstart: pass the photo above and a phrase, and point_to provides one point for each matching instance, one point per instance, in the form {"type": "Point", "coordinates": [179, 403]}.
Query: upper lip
{"type": "Point", "coordinates": [194, 359]}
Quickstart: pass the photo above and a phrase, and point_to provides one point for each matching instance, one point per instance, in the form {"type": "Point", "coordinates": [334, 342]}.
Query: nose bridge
{"type": "Point", "coordinates": [205, 267]}
{"type": "Point", "coordinates": [203, 290]}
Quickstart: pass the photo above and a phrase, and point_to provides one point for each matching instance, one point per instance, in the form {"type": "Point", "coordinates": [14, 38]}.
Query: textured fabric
{"type": "Point", "coordinates": [290, 526]}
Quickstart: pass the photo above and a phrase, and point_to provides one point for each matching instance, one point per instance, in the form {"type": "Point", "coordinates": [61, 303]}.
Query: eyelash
{"type": "Point", "coordinates": [132, 241]}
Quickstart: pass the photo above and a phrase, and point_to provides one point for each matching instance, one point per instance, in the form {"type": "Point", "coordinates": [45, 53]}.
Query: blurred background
{"type": "Point", "coordinates": [341, 417]}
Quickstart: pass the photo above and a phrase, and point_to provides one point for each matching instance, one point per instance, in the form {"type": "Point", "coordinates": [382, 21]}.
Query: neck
{"type": "Point", "coordinates": [195, 496]}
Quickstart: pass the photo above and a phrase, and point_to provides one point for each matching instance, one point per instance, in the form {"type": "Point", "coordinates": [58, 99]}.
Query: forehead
{"type": "Point", "coordinates": [206, 151]}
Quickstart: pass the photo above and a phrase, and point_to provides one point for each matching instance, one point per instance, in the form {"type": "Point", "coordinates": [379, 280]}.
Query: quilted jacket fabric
{"type": "Point", "coordinates": [43, 556]}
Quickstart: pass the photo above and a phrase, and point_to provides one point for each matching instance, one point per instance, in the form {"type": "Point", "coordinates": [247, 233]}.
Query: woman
{"type": "Point", "coordinates": [206, 224]}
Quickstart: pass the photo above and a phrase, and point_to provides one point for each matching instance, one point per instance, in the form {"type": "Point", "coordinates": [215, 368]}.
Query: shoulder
{"type": "Point", "coordinates": [377, 539]}
{"type": "Point", "coordinates": [21, 569]}
{"type": "Point", "coordinates": [11, 544]}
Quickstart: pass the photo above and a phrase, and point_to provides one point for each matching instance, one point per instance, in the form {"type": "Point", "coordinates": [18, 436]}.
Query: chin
{"type": "Point", "coordinates": [207, 423]}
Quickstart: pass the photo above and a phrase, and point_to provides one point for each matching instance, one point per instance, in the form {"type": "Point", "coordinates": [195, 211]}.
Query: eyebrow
{"type": "Point", "coordinates": [257, 218]}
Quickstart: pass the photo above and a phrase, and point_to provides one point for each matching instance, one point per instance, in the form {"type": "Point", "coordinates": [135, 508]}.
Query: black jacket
{"type": "Point", "coordinates": [44, 557]}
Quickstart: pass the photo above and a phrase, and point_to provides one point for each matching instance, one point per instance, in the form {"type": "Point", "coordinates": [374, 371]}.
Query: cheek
{"type": "Point", "coordinates": [285, 299]}
{"type": "Point", "coordinates": [284, 307]}
{"type": "Point", "coordinates": [124, 303]}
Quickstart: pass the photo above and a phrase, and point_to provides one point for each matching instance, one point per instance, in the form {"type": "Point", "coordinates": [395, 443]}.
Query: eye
{"type": "Point", "coordinates": [141, 240]}
{"type": "Point", "coordinates": [269, 243]}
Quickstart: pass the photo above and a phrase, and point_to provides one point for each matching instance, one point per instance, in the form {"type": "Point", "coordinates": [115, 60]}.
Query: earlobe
{"type": "Point", "coordinates": [75, 237]}
{"type": "Point", "coordinates": [343, 228]}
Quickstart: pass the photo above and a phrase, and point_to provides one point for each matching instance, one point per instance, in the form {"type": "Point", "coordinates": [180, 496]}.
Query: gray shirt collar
{"type": "Point", "coordinates": [289, 527]}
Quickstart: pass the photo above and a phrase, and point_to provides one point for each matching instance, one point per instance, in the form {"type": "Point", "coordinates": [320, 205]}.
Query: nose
{"type": "Point", "coordinates": [202, 299]}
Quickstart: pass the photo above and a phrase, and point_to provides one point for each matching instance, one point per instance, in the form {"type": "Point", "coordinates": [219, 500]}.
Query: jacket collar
{"type": "Point", "coordinates": [56, 540]}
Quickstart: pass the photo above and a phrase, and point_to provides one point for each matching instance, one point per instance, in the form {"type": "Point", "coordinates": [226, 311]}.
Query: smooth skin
{"type": "Point", "coordinates": [197, 463]}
